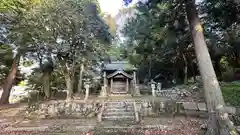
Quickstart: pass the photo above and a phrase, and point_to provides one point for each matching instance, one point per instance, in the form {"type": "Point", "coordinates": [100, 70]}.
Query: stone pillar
{"type": "Point", "coordinates": [137, 91]}
{"type": "Point", "coordinates": [134, 78]}
{"type": "Point", "coordinates": [105, 79]}
{"type": "Point", "coordinates": [153, 89]}
{"type": "Point", "coordinates": [87, 91]}
{"type": "Point", "coordinates": [111, 85]}
{"type": "Point", "coordinates": [135, 86]}
{"type": "Point", "coordinates": [127, 85]}
{"type": "Point", "coordinates": [159, 86]}
{"type": "Point", "coordinates": [103, 92]}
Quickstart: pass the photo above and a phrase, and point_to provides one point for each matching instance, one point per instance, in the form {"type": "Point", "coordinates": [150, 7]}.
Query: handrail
{"type": "Point", "coordinates": [136, 112]}
{"type": "Point", "coordinates": [101, 112]}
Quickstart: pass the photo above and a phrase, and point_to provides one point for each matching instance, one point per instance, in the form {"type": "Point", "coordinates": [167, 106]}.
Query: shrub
{"type": "Point", "coordinates": [231, 93]}
{"type": "Point", "coordinates": [228, 76]}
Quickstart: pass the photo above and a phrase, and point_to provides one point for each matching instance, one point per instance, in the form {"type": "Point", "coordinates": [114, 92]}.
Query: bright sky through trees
{"type": "Point", "coordinates": [112, 6]}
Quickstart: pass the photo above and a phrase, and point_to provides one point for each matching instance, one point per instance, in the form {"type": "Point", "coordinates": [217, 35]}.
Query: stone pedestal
{"type": "Point", "coordinates": [87, 91]}
{"type": "Point", "coordinates": [153, 89]}
{"type": "Point", "coordinates": [137, 91]}
{"type": "Point", "coordinates": [103, 92]}
{"type": "Point", "coordinates": [159, 86]}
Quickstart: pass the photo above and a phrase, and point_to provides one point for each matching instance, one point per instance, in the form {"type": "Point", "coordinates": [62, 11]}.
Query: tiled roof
{"type": "Point", "coordinates": [119, 65]}
{"type": "Point", "coordinates": [119, 72]}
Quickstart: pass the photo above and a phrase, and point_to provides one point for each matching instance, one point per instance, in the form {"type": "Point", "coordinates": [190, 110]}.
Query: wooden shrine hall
{"type": "Point", "coordinates": [119, 78]}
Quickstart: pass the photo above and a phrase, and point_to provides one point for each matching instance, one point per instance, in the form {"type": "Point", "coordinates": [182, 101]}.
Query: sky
{"type": "Point", "coordinates": [112, 6]}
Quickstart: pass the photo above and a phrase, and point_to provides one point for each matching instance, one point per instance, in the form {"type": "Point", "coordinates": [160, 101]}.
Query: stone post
{"type": "Point", "coordinates": [111, 85]}
{"type": "Point", "coordinates": [87, 90]}
{"type": "Point", "coordinates": [137, 91]}
{"type": "Point", "coordinates": [105, 79]}
{"type": "Point", "coordinates": [127, 85]}
{"type": "Point", "coordinates": [159, 86]}
{"type": "Point", "coordinates": [135, 86]}
{"type": "Point", "coordinates": [103, 92]}
{"type": "Point", "coordinates": [134, 79]}
{"type": "Point", "coordinates": [153, 89]}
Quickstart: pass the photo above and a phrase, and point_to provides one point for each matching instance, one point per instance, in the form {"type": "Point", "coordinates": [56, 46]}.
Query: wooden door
{"type": "Point", "coordinates": [119, 87]}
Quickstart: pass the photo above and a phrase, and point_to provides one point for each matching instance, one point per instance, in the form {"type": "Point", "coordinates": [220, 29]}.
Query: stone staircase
{"type": "Point", "coordinates": [119, 111]}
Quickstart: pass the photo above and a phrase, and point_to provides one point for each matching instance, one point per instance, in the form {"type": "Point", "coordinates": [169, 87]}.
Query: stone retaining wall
{"type": "Point", "coordinates": [68, 109]}
{"type": "Point", "coordinates": [91, 109]}
{"type": "Point", "coordinates": [153, 108]}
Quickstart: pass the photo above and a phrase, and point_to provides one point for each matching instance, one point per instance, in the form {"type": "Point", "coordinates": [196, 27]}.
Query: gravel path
{"type": "Point", "coordinates": [149, 126]}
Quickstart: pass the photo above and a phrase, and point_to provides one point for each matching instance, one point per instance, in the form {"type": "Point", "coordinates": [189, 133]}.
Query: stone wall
{"type": "Point", "coordinates": [67, 109]}
{"type": "Point", "coordinates": [145, 107]}
{"type": "Point", "coordinates": [91, 109]}
{"type": "Point", "coordinates": [153, 108]}
{"type": "Point", "coordinates": [156, 108]}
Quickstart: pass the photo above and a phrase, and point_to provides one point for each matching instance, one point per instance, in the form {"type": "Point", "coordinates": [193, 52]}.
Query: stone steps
{"type": "Point", "coordinates": [118, 110]}
{"type": "Point", "coordinates": [116, 104]}
{"type": "Point", "coordinates": [118, 114]}
{"type": "Point", "coordinates": [118, 117]}
{"type": "Point", "coordinates": [111, 110]}
{"type": "Point", "coordinates": [119, 101]}
{"type": "Point", "coordinates": [112, 104]}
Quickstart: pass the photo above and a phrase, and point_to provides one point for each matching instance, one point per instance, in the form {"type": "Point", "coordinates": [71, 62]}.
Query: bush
{"type": "Point", "coordinates": [228, 76]}
{"type": "Point", "coordinates": [231, 93]}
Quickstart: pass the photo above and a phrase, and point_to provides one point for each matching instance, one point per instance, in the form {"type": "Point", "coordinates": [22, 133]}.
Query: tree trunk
{"type": "Point", "coordinates": [69, 84]}
{"type": "Point", "coordinates": [176, 73]}
{"type": "Point", "coordinates": [80, 81]}
{"type": "Point", "coordinates": [213, 94]}
{"type": "Point", "coordinates": [185, 69]}
{"type": "Point", "coordinates": [46, 84]}
{"type": "Point", "coordinates": [218, 67]}
{"type": "Point", "coordinates": [69, 77]}
{"type": "Point", "coordinates": [193, 72]}
{"type": "Point", "coordinates": [10, 79]}
{"type": "Point", "coordinates": [150, 68]}
{"type": "Point", "coordinates": [75, 83]}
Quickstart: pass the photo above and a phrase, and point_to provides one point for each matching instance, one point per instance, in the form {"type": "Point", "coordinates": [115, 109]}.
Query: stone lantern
{"type": "Point", "coordinates": [87, 86]}
{"type": "Point", "coordinates": [153, 86]}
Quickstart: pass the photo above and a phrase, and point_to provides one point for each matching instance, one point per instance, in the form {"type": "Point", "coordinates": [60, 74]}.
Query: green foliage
{"type": "Point", "coordinates": [222, 28]}
{"type": "Point", "coordinates": [110, 21]}
{"type": "Point", "coordinates": [158, 33]}
{"type": "Point", "coordinates": [158, 36]}
{"type": "Point", "coordinates": [5, 61]}
{"type": "Point", "coordinates": [73, 31]}
{"type": "Point", "coordinates": [231, 93]}
{"type": "Point", "coordinates": [228, 76]}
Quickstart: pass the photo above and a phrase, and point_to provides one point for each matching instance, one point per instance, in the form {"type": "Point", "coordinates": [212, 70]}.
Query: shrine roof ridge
{"type": "Point", "coordinates": [119, 65]}
{"type": "Point", "coordinates": [120, 72]}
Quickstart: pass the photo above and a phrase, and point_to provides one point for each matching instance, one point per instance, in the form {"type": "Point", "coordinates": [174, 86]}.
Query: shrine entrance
{"type": "Point", "coordinates": [119, 86]}
{"type": "Point", "coordinates": [119, 79]}
{"type": "Point", "coordinates": [119, 82]}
